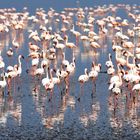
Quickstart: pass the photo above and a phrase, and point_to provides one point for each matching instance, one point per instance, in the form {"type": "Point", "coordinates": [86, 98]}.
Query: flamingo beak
{"type": "Point", "coordinates": [22, 56]}
{"type": "Point", "coordinates": [44, 66]}
{"type": "Point", "coordinates": [54, 70]}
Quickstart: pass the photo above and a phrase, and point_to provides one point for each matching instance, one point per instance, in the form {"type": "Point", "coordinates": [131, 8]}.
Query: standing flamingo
{"type": "Point", "coordinates": [109, 63]}
{"type": "Point", "coordinates": [93, 74]}
{"type": "Point", "coordinates": [82, 79]}
{"type": "Point", "coordinates": [48, 82]}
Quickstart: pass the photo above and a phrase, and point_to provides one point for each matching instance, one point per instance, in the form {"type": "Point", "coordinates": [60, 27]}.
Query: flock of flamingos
{"type": "Point", "coordinates": [50, 36]}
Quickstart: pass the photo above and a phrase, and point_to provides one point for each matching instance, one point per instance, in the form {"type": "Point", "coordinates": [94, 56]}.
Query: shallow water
{"type": "Point", "coordinates": [26, 111]}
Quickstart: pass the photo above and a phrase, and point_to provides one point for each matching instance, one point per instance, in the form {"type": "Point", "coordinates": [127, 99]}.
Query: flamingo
{"type": "Point", "coordinates": [82, 79]}
{"type": "Point", "coordinates": [36, 38]}
{"type": "Point", "coordinates": [35, 62]}
{"type": "Point", "coordinates": [58, 37]}
{"type": "Point", "coordinates": [47, 82]}
{"type": "Point", "coordinates": [120, 60]}
{"type": "Point", "coordinates": [63, 75]}
{"type": "Point", "coordinates": [10, 52]}
{"type": "Point", "coordinates": [64, 61]}
{"type": "Point", "coordinates": [94, 45]}
{"type": "Point", "coordinates": [128, 44]}
{"type": "Point", "coordinates": [84, 38]}
{"type": "Point", "coordinates": [111, 70]}
{"type": "Point", "coordinates": [115, 78]}
{"type": "Point", "coordinates": [45, 62]}
{"type": "Point", "coordinates": [9, 68]}
{"type": "Point", "coordinates": [93, 74]}
{"type": "Point", "coordinates": [32, 33]}
{"type": "Point", "coordinates": [130, 65]}
{"type": "Point", "coordinates": [58, 45]}
{"type": "Point", "coordinates": [96, 67]}
{"type": "Point", "coordinates": [19, 69]}
{"type": "Point", "coordinates": [71, 67]}
{"type": "Point", "coordinates": [115, 91]}
{"type": "Point", "coordinates": [40, 71]}
{"type": "Point", "coordinates": [56, 80]}
{"type": "Point", "coordinates": [11, 74]}
{"type": "Point", "coordinates": [69, 44]}
{"type": "Point", "coordinates": [33, 47]}
{"type": "Point", "coordinates": [115, 84]}
{"type": "Point", "coordinates": [2, 64]}
{"type": "Point", "coordinates": [109, 63]}
{"type": "Point", "coordinates": [76, 33]}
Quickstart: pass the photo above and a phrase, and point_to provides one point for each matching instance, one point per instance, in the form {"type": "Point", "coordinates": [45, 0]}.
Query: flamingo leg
{"type": "Point", "coordinates": [51, 94]}
{"type": "Point", "coordinates": [134, 100]}
{"type": "Point", "coordinates": [115, 101]}
{"type": "Point", "coordinates": [77, 41]}
{"type": "Point", "coordinates": [109, 99]}
{"type": "Point", "coordinates": [9, 84]}
{"type": "Point", "coordinates": [81, 91]}
{"type": "Point", "coordinates": [67, 85]}
{"type": "Point", "coordinates": [14, 85]}
{"type": "Point", "coordinates": [126, 95]}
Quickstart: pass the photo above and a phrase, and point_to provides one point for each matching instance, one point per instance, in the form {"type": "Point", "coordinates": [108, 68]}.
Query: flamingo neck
{"type": "Point", "coordinates": [19, 61]}
{"type": "Point", "coordinates": [109, 57]}
{"type": "Point", "coordinates": [73, 28]}
{"type": "Point", "coordinates": [118, 68]}
{"type": "Point", "coordinates": [117, 54]}
{"type": "Point", "coordinates": [51, 77]}
{"type": "Point", "coordinates": [66, 39]}
{"type": "Point", "coordinates": [47, 74]}
{"type": "Point", "coordinates": [63, 55]}
{"type": "Point", "coordinates": [120, 77]}
{"type": "Point", "coordinates": [86, 73]}
{"type": "Point", "coordinates": [134, 60]}
{"type": "Point", "coordinates": [73, 61]}
{"type": "Point", "coordinates": [127, 60]}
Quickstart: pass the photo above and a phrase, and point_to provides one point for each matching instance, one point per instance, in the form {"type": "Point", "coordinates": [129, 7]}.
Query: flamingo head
{"type": "Point", "coordinates": [65, 37]}
{"type": "Point", "coordinates": [100, 66]}
{"type": "Point", "coordinates": [21, 56]}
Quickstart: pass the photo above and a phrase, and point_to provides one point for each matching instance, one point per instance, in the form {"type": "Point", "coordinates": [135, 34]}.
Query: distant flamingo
{"type": "Point", "coordinates": [93, 74]}
{"type": "Point", "coordinates": [109, 63]}
{"type": "Point", "coordinates": [69, 44]}
{"type": "Point", "coordinates": [76, 33]}
{"type": "Point", "coordinates": [15, 43]}
{"type": "Point", "coordinates": [10, 52]}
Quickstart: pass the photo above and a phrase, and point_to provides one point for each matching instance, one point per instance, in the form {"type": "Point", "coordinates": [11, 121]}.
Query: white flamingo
{"type": "Point", "coordinates": [19, 69]}
{"type": "Point", "coordinates": [109, 63]}
{"type": "Point", "coordinates": [82, 79]}
{"type": "Point", "coordinates": [93, 74]}
{"type": "Point", "coordinates": [71, 67]}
